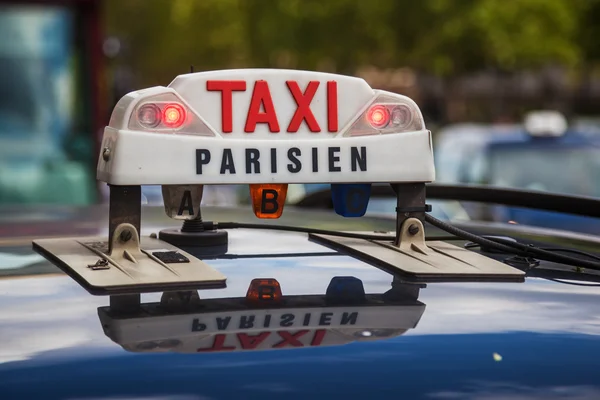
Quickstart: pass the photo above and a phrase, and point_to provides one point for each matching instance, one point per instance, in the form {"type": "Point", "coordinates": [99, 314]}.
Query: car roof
{"type": "Point", "coordinates": [484, 134]}
{"type": "Point", "coordinates": [456, 143]}
{"type": "Point", "coordinates": [472, 338]}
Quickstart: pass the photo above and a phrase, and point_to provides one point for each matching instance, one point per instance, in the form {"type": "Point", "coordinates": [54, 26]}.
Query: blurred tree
{"type": "Point", "coordinates": [590, 31]}
{"type": "Point", "coordinates": [444, 37]}
{"type": "Point", "coordinates": [476, 34]}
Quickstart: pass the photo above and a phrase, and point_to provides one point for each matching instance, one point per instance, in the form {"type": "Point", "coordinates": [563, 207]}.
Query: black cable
{"type": "Point", "coordinates": [472, 245]}
{"type": "Point", "coordinates": [229, 256]}
{"type": "Point", "coordinates": [573, 251]}
{"type": "Point", "coordinates": [469, 236]}
{"type": "Point", "coordinates": [513, 247]}
{"type": "Point", "coordinates": [289, 228]}
{"type": "Point", "coordinates": [573, 283]}
{"type": "Point", "coordinates": [552, 255]}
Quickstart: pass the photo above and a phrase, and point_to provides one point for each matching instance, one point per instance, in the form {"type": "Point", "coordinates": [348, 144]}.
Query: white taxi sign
{"type": "Point", "coordinates": [265, 126]}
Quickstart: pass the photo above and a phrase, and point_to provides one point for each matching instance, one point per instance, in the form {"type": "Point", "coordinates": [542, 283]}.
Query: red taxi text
{"type": "Point", "coordinates": [262, 110]}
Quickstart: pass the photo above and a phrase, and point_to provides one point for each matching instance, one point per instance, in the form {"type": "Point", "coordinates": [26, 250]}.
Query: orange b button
{"type": "Point", "coordinates": [268, 200]}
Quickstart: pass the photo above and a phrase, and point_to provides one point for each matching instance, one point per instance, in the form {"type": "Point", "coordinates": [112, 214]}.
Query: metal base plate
{"type": "Point", "coordinates": [157, 267]}
{"type": "Point", "coordinates": [435, 262]}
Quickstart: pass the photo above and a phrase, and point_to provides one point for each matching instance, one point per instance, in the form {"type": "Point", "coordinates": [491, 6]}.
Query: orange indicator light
{"type": "Point", "coordinates": [268, 199]}
{"type": "Point", "coordinates": [261, 290]}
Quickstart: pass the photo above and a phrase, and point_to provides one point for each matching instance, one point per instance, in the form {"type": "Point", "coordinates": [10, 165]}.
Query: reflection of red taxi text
{"type": "Point", "coordinates": [273, 340]}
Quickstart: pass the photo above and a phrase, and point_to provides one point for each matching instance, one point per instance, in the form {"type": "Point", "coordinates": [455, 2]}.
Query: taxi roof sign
{"type": "Point", "coordinates": [265, 126]}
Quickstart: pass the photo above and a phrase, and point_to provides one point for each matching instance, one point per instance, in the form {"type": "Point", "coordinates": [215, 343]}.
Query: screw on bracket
{"type": "Point", "coordinates": [125, 236]}
{"type": "Point", "coordinates": [413, 229]}
{"type": "Point", "coordinates": [100, 264]}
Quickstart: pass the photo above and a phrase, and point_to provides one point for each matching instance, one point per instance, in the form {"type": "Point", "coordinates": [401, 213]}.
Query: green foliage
{"type": "Point", "coordinates": [589, 30]}
{"type": "Point", "coordinates": [444, 37]}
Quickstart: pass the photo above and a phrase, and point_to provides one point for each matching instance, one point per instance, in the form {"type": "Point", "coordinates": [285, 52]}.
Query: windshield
{"type": "Point", "coordinates": [558, 170]}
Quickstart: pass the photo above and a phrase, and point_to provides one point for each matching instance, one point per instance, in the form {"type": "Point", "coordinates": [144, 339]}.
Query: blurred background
{"type": "Point", "coordinates": [475, 67]}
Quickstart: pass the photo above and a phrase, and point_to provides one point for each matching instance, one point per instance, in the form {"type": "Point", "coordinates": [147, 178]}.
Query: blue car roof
{"type": "Point", "coordinates": [519, 137]}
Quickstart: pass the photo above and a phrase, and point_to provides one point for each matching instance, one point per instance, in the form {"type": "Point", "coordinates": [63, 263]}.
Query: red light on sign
{"type": "Point", "coordinates": [173, 115]}
{"type": "Point", "coordinates": [268, 200]}
{"type": "Point", "coordinates": [378, 116]}
{"type": "Point", "coordinates": [264, 290]}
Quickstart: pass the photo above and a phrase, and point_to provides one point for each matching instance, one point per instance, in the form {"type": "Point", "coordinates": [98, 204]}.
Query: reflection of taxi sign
{"type": "Point", "coordinates": [265, 127]}
{"type": "Point", "coordinates": [233, 324]}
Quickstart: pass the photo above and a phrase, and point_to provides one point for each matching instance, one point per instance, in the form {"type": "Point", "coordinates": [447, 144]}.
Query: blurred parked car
{"type": "Point", "coordinates": [542, 154]}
